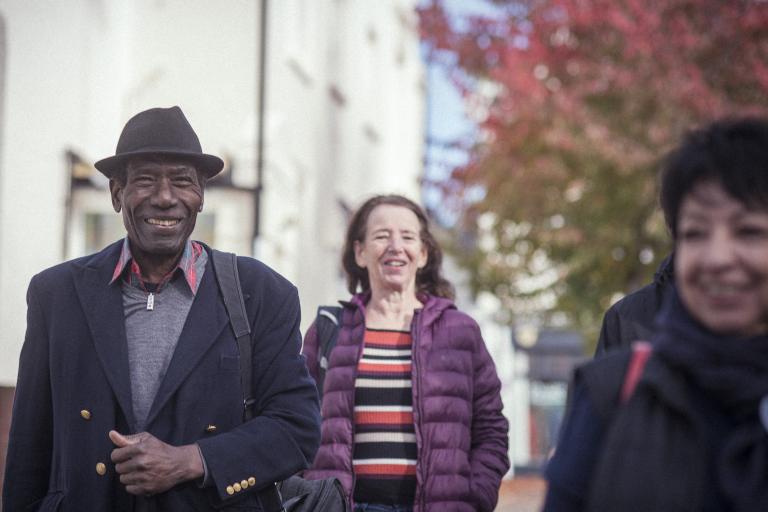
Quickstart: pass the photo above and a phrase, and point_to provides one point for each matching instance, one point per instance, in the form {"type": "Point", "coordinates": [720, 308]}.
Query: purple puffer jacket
{"type": "Point", "coordinates": [461, 434]}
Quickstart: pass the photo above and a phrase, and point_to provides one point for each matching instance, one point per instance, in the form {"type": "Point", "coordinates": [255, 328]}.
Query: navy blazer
{"type": "Point", "coordinates": [74, 386]}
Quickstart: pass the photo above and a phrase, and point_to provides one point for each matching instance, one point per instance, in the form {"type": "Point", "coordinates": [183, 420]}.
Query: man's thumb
{"type": "Point", "coordinates": [120, 440]}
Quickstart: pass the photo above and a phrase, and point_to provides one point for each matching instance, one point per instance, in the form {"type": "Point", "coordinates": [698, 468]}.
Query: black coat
{"type": "Point", "coordinates": [631, 318]}
{"type": "Point", "coordinates": [75, 359]}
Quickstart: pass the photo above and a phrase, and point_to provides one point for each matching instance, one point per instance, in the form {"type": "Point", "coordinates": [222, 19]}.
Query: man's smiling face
{"type": "Point", "coordinates": [159, 199]}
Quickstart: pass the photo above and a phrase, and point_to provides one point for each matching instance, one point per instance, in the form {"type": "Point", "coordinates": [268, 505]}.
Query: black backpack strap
{"type": "Point", "coordinates": [612, 379]}
{"type": "Point", "coordinates": [641, 351]}
{"type": "Point", "coordinates": [327, 326]}
{"type": "Point", "coordinates": [225, 270]}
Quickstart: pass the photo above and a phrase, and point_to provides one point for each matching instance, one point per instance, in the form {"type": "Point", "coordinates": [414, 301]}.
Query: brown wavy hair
{"type": "Point", "coordinates": [428, 279]}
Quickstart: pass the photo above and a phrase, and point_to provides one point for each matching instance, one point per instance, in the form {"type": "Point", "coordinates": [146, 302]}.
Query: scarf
{"type": "Point", "coordinates": [653, 446]}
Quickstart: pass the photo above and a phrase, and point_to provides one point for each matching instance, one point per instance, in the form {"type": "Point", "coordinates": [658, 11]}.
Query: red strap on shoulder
{"type": "Point", "coordinates": [641, 351]}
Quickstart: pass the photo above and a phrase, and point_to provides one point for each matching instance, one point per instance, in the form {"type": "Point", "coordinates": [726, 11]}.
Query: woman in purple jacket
{"type": "Point", "coordinates": [411, 407]}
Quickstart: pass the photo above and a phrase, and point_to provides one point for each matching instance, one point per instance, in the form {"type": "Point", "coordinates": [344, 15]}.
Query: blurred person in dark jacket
{"type": "Point", "coordinates": [688, 429]}
{"type": "Point", "coordinates": [631, 318]}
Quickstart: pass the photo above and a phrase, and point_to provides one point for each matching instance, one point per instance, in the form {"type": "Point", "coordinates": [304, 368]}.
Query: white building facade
{"type": "Point", "coordinates": [313, 104]}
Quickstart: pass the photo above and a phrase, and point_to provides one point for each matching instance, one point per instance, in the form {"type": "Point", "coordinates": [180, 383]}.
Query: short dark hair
{"type": "Point", "coordinates": [732, 152]}
{"type": "Point", "coordinates": [428, 278]}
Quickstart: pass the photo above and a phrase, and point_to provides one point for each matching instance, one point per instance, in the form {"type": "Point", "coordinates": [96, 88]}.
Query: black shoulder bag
{"type": "Point", "coordinates": [302, 495]}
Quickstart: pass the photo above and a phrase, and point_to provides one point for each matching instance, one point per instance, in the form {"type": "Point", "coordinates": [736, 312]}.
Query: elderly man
{"type": "Point", "coordinates": [128, 395]}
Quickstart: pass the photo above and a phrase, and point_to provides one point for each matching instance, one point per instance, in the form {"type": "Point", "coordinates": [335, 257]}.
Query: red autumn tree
{"type": "Point", "coordinates": [579, 100]}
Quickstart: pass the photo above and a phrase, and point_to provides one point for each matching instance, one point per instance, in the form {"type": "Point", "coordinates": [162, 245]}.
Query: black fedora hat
{"type": "Point", "coordinates": [159, 131]}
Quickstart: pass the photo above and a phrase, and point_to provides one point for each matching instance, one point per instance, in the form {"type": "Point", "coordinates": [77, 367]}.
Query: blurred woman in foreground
{"type": "Point", "coordinates": [691, 435]}
{"type": "Point", "coordinates": [411, 406]}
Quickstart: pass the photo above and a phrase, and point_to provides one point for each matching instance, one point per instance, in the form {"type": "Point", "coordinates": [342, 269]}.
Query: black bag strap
{"type": "Point", "coordinates": [612, 379]}
{"type": "Point", "coordinates": [225, 270]}
{"type": "Point", "coordinates": [327, 325]}
{"type": "Point", "coordinates": [641, 351]}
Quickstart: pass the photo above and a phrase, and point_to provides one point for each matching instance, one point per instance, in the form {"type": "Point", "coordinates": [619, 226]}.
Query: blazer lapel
{"type": "Point", "coordinates": [205, 322]}
{"type": "Point", "coordinates": [103, 307]}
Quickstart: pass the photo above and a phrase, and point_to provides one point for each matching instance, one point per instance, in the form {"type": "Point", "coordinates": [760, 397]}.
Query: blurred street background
{"type": "Point", "coordinates": [531, 130]}
{"type": "Point", "coordinates": [521, 494]}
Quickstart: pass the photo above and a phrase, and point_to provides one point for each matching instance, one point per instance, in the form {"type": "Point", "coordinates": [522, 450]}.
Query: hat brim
{"type": "Point", "coordinates": [209, 165]}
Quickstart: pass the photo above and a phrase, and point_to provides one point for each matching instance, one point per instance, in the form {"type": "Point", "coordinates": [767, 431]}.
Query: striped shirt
{"type": "Point", "coordinates": [385, 451]}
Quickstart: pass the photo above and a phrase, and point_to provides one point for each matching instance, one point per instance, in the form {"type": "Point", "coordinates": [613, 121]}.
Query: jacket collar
{"type": "Point", "coordinates": [666, 270]}
{"type": "Point", "coordinates": [103, 307]}
{"type": "Point", "coordinates": [432, 308]}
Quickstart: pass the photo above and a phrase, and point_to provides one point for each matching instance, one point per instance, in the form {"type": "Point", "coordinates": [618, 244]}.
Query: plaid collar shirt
{"type": "Point", "coordinates": [192, 251]}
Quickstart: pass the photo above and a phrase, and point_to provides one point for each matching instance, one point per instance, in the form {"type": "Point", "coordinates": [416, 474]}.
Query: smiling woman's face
{"type": "Point", "coordinates": [392, 251]}
{"type": "Point", "coordinates": [721, 261]}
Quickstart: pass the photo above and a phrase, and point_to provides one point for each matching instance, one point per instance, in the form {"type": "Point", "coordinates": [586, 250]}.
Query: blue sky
{"type": "Point", "coordinates": [446, 116]}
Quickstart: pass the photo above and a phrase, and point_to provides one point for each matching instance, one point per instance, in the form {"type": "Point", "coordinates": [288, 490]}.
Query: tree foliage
{"type": "Point", "coordinates": [579, 100]}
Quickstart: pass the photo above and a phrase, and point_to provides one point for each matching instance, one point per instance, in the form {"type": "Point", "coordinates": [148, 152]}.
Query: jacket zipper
{"type": "Point", "coordinates": [352, 420]}
{"type": "Point", "coordinates": [415, 372]}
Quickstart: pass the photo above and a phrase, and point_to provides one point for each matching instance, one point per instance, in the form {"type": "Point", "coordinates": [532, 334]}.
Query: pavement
{"type": "Point", "coordinates": [521, 494]}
